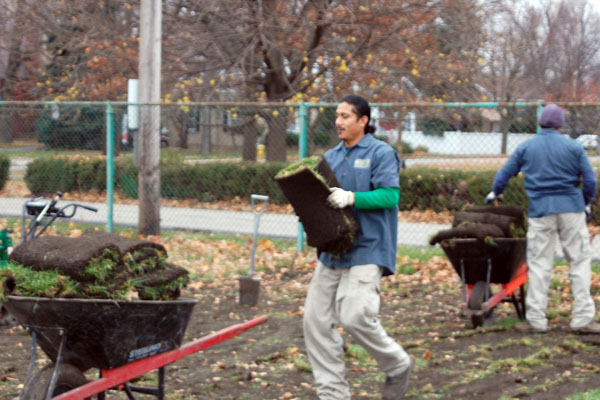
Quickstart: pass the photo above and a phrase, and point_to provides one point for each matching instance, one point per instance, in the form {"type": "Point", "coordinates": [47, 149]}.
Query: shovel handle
{"type": "Point", "coordinates": [254, 198]}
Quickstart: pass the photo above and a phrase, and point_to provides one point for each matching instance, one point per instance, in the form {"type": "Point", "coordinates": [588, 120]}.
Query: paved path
{"type": "Point", "coordinates": [236, 222]}
{"type": "Point", "coordinates": [219, 221]}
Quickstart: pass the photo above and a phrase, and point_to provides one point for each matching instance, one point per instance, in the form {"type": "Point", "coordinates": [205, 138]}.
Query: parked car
{"type": "Point", "coordinates": [127, 140]}
{"type": "Point", "coordinates": [589, 142]}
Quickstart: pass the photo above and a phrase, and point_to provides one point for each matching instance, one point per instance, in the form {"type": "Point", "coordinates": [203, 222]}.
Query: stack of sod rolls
{"type": "Point", "coordinates": [486, 223]}
{"type": "Point", "coordinates": [95, 265]}
{"type": "Point", "coordinates": [306, 184]}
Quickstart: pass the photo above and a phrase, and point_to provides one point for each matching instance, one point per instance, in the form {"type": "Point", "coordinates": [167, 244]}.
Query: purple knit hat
{"type": "Point", "coordinates": [552, 116]}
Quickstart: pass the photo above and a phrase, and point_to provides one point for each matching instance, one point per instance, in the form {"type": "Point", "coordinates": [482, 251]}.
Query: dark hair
{"type": "Point", "coordinates": [361, 107]}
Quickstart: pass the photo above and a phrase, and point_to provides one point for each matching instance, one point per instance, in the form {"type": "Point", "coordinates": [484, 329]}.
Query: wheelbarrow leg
{"type": "Point", "coordinates": [519, 303]}
{"type": "Point", "coordinates": [101, 395]}
{"type": "Point", "coordinates": [59, 357]}
{"type": "Point", "coordinates": [158, 391]}
{"type": "Point", "coordinates": [522, 301]}
{"type": "Point", "coordinates": [31, 363]}
{"type": "Point", "coordinates": [464, 287]}
{"type": "Point", "coordinates": [161, 383]}
{"type": "Point", "coordinates": [128, 392]}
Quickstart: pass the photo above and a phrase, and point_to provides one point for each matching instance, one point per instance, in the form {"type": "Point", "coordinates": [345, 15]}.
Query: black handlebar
{"type": "Point", "coordinates": [43, 214]}
{"type": "Point", "coordinates": [62, 214]}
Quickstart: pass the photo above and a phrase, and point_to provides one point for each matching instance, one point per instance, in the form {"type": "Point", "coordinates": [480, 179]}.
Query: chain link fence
{"type": "Point", "coordinates": [214, 155]}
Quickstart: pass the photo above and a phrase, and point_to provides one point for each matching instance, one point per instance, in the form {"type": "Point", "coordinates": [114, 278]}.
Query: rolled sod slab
{"type": "Point", "coordinates": [306, 184]}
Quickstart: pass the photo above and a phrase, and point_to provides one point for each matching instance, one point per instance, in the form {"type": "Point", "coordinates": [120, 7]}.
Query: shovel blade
{"type": "Point", "coordinates": [249, 289]}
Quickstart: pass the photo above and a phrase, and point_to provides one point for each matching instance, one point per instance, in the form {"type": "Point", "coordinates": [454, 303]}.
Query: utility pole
{"type": "Point", "coordinates": [149, 135]}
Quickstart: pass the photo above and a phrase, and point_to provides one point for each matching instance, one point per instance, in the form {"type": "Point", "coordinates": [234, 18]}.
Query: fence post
{"type": "Point", "coordinates": [302, 146]}
{"type": "Point", "coordinates": [110, 167]}
{"type": "Point", "coordinates": [539, 112]}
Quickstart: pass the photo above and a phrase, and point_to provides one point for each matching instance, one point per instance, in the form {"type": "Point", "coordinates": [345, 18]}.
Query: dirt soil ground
{"type": "Point", "coordinates": [421, 311]}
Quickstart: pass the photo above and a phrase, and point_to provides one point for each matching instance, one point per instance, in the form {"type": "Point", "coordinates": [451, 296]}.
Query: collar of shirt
{"type": "Point", "coordinates": [548, 131]}
{"type": "Point", "coordinates": [364, 142]}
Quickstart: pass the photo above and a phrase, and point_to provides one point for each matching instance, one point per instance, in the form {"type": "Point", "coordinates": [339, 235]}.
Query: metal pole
{"type": "Point", "coordinates": [539, 112]}
{"type": "Point", "coordinates": [110, 165]}
{"type": "Point", "coordinates": [148, 134]}
{"type": "Point", "coordinates": [302, 146]}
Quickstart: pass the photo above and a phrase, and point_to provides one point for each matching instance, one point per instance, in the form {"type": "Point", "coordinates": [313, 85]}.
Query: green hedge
{"type": "Point", "coordinates": [437, 189]}
{"type": "Point", "coordinates": [207, 182]}
{"type": "Point", "coordinates": [4, 169]}
{"type": "Point", "coordinates": [420, 188]}
{"type": "Point", "coordinates": [47, 175]}
{"type": "Point", "coordinates": [204, 182]}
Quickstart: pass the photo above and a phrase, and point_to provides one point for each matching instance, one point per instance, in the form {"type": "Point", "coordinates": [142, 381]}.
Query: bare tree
{"type": "Point", "coordinates": [274, 50]}
{"type": "Point", "coordinates": [546, 51]}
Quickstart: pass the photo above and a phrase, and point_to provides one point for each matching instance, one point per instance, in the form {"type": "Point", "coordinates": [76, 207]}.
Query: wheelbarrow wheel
{"type": "Point", "coordinates": [69, 377]}
{"type": "Point", "coordinates": [477, 298]}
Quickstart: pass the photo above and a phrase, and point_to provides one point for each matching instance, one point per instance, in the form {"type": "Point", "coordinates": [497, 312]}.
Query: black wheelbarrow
{"type": "Point", "coordinates": [123, 339]}
{"type": "Point", "coordinates": [479, 265]}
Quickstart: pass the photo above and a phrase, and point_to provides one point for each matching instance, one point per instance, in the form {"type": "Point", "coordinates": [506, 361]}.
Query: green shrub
{"type": "Point", "coordinates": [4, 169]}
{"type": "Point", "coordinates": [427, 188]}
{"type": "Point", "coordinates": [47, 175]}
{"type": "Point", "coordinates": [75, 128]}
{"type": "Point", "coordinates": [291, 139]}
{"type": "Point", "coordinates": [435, 127]}
{"type": "Point", "coordinates": [321, 138]}
{"type": "Point", "coordinates": [206, 182]}
{"type": "Point", "coordinates": [420, 188]}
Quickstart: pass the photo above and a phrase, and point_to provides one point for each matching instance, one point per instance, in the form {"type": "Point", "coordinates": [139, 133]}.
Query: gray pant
{"type": "Point", "coordinates": [350, 297]}
{"type": "Point", "coordinates": [542, 234]}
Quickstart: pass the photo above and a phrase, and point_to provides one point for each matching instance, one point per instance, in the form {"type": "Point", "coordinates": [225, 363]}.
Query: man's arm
{"type": "Point", "coordinates": [380, 198]}
{"type": "Point", "coordinates": [510, 169]}
{"type": "Point", "coordinates": [589, 179]}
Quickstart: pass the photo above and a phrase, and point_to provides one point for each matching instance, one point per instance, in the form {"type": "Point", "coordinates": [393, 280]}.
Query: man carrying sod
{"type": "Point", "coordinates": [345, 289]}
{"type": "Point", "coordinates": [554, 167]}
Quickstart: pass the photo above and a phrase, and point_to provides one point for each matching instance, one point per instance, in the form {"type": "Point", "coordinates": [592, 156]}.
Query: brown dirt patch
{"type": "Point", "coordinates": [420, 310]}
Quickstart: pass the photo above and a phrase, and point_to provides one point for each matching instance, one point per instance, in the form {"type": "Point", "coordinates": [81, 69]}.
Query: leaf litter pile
{"type": "Point", "coordinates": [420, 309]}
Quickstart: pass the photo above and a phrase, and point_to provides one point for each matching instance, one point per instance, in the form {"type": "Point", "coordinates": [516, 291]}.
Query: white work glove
{"type": "Point", "coordinates": [588, 212]}
{"type": "Point", "coordinates": [490, 197]}
{"type": "Point", "coordinates": [340, 198]}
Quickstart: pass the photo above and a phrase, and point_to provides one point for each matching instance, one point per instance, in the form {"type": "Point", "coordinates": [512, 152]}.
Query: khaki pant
{"type": "Point", "coordinates": [350, 297]}
{"type": "Point", "coordinates": [542, 234]}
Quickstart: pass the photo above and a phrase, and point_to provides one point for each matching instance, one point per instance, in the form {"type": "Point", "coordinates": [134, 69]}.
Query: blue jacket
{"type": "Point", "coordinates": [554, 167]}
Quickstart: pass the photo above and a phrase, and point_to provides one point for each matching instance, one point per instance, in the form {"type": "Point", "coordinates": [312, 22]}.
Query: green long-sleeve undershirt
{"type": "Point", "coordinates": [381, 198]}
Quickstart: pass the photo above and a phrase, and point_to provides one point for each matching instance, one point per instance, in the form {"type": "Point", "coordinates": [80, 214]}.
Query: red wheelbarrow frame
{"type": "Point", "coordinates": [112, 378]}
{"type": "Point", "coordinates": [507, 289]}
{"type": "Point", "coordinates": [519, 278]}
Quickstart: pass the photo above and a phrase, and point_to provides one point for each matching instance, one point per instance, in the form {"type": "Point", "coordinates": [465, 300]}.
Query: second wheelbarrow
{"type": "Point", "coordinates": [479, 265]}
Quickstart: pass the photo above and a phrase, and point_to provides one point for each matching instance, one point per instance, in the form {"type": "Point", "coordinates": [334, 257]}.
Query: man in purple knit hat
{"type": "Point", "coordinates": [554, 167]}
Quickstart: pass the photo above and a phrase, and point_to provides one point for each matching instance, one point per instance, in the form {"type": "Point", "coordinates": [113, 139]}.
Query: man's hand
{"type": "Point", "coordinates": [490, 197]}
{"type": "Point", "coordinates": [340, 198]}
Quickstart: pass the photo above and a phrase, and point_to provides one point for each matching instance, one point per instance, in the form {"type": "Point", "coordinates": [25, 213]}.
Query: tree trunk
{"type": "Point", "coordinates": [400, 129]}
{"type": "Point", "coordinates": [249, 146]}
{"type": "Point", "coordinates": [276, 149]}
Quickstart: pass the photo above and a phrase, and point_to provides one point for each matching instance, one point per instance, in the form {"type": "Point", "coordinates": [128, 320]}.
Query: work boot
{"type": "Point", "coordinates": [396, 386]}
{"type": "Point", "coordinates": [526, 327]}
{"type": "Point", "coordinates": [592, 327]}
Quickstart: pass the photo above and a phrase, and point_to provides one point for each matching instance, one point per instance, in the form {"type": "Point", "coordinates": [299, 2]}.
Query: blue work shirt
{"type": "Point", "coordinates": [554, 167]}
{"type": "Point", "coordinates": [366, 166]}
